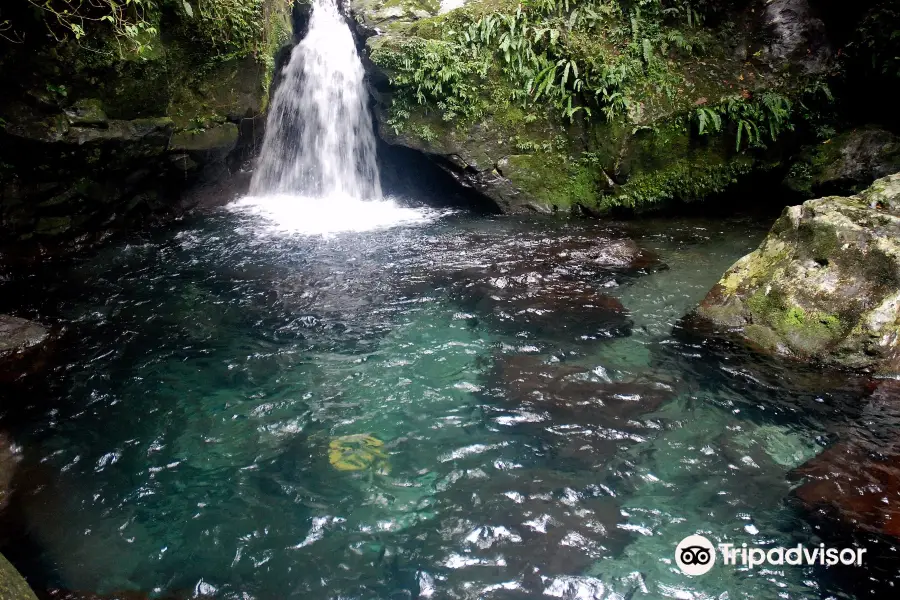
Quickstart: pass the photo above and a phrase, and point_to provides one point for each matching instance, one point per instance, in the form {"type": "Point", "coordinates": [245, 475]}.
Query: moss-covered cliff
{"type": "Point", "coordinates": [103, 128]}
{"type": "Point", "coordinates": [594, 104]}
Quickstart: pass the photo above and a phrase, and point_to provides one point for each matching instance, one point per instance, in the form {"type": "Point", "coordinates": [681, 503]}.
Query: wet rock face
{"type": "Point", "coordinates": [94, 142]}
{"type": "Point", "coordinates": [856, 482]}
{"type": "Point", "coordinates": [797, 35]}
{"type": "Point", "coordinates": [845, 164]}
{"type": "Point", "coordinates": [824, 285]}
{"type": "Point", "coordinates": [23, 348]}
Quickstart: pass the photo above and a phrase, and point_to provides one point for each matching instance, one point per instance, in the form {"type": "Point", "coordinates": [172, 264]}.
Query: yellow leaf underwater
{"type": "Point", "coordinates": [357, 452]}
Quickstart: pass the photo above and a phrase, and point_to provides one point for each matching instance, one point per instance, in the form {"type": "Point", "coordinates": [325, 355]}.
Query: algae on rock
{"type": "Point", "coordinates": [12, 586]}
{"type": "Point", "coordinates": [824, 285]}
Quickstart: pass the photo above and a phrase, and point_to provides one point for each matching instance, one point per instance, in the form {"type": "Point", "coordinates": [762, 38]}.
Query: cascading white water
{"type": "Point", "coordinates": [319, 138]}
{"type": "Point", "coordinates": [317, 172]}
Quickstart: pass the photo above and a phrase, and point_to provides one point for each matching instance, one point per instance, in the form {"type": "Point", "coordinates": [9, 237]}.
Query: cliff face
{"type": "Point", "coordinates": [593, 105]}
{"type": "Point", "coordinates": [96, 133]}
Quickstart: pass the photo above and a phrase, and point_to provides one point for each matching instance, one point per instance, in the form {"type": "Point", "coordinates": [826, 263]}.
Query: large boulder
{"type": "Point", "coordinates": [824, 285]}
{"type": "Point", "coordinates": [12, 586]}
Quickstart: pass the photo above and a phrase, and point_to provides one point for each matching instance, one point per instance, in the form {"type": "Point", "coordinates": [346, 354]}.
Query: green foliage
{"type": "Point", "coordinates": [878, 38]}
{"type": "Point", "coordinates": [582, 57]}
{"type": "Point", "coordinates": [131, 22]}
{"type": "Point", "coordinates": [225, 26]}
{"type": "Point", "coordinates": [686, 180]}
{"type": "Point", "coordinates": [755, 120]}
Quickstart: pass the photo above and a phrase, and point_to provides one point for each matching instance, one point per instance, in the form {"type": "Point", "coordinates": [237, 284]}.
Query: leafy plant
{"type": "Point", "coordinates": [130, 21]}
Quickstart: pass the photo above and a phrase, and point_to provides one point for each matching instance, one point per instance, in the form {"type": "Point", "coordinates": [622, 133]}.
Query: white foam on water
{"type": "Point", "coordinates": [287, 214]}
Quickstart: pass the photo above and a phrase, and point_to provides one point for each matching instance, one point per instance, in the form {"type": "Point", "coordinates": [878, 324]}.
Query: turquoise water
{"type": "Point", "coordinates": [540, 439]}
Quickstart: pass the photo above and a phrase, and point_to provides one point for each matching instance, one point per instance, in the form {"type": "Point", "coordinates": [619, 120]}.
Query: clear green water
{"type": "Point", "coordinates": [180, 443]}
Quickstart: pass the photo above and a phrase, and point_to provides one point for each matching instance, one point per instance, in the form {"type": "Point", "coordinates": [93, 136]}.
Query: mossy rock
{"type": "Point", "coordinates": [531, 155]}
{"type": "Point", "coordinates": [824, 285]}
{"type": "Point", "coordinates": [358, 452]}
{"type": "Point", "coordinates": [12, 585]}
{"type": "Point", "coordinates": [218, 137]}
{"type": "Point", "coordinates": [845, 164]}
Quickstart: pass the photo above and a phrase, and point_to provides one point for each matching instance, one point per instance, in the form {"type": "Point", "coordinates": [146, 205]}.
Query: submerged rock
{"type": "Point", "coordinates": [824, 285]}
{"type": "Point", "coordinates": [552, 309]}
{"type": "Point", "coordinates": [857, 480]}
{"type": "Point", "coordinates": [18, 335]}
{"type": "Point", "coordinates": [525, 525]}
{"type": "Point", "coordinates": [12, 586]}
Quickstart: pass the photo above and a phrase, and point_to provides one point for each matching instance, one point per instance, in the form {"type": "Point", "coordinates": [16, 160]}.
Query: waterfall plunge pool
{"type": "Point", "coordinates": [537, 440]}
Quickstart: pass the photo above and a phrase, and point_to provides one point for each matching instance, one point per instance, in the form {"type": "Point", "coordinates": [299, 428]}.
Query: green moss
{"type": "Point", "coordinates": [217, 137]}
{"type": "Point", "coordinates": [555, 180]}
{"type": "Point", "coordinates": [684, 180]}
{"type": "Point", "coordinates": [12, 585]}
{"type": "Point", "coordinates": [806, 332]}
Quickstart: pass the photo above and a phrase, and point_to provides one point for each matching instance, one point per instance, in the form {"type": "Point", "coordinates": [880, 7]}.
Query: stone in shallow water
{"type": "Point", "coordinates": [575, 390]}
{"type": "Point", "coordinates": [18, 335]}
{"type": "Point", "coordinates": [857, 481]}
{"type": "Point", "coordinates": [585, 419]}
{"type": "Point", "coordinates": [123, 595]}
{"type": "Point", "coordinates": [522, 526]}
{"type": "Point", "coordinates": [549, 308]}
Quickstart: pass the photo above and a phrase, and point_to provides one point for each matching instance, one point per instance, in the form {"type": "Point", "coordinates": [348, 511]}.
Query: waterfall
{"type": "Point", "coordinates": [319, 140]}
{"type": "Point", "coordinates": [317, 172]}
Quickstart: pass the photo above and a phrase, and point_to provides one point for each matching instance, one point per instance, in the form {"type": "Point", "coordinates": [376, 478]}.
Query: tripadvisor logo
{"type": "Point", "coordinates": [696, 555]}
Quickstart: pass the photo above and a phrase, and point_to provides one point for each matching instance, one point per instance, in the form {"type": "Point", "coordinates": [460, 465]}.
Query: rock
{"type": "Point", "coordinates": [845, 164]}
{"type": "Point", "coordinates": [87, 112]}
{"type": "Point", "coordinates": [123, 595]}
{"type": "Point", "coordinates": [542, 522]}
{"type": "Point", "coordinates": [86, 131]}
{"type": "Point", "coordinates": [218, 137]}
{"type": "Point", "coordinates": [857, 480]}
{"type": "Point", "coordinates": [824, 285]}
{"type": "Point", "coordinates": [570, 390]}
{"type": "Point", "coordinates": [12, 586]}
{"type": "Point", "coordinates": [18, 335]}
{"type": "Point", "coordinates": [556, 309]}
{"type": "Point", "coordinates": [528, 156]}
{"type": "Point", "coordinates": [798, 36]}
